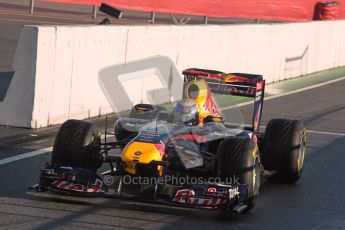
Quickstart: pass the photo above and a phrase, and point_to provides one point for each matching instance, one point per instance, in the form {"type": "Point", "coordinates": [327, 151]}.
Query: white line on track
{"type": "Point", "coordinates": [49, 149]}
{"type": "Point", "coordinates": [326, 133]}
{"type": "Point", "coordinates": [317, 132]}
{"type": "Point", "coordinates": [287, 93]}
{"type": "Point", "coordinates": [25, 155]}
{"type": "Point", "coordinates": [32, 154]}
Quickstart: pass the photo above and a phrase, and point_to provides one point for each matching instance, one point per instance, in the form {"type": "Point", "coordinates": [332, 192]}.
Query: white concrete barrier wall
{"type": "Point", "coordinates": [62, 63]}
{"type": "Point", "coordinates": [17, 107]}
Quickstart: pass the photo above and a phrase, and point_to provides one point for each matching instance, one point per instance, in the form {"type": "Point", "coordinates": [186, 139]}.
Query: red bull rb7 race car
{"type": "Point", "coordinates": [184, 153]}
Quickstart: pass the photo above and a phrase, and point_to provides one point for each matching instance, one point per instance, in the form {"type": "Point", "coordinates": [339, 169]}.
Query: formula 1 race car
{"type": "Point", "coordinates": [187, 155]}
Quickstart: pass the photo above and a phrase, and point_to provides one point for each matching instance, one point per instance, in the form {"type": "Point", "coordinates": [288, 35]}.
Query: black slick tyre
{"type": "Point", "coordinates": [239, 158]}
{"type": "Point", "coordinates": [77, 144]}
{"type": "Point", "coordinates": [284, 149]}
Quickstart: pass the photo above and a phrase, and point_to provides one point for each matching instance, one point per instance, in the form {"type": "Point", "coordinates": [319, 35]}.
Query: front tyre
{"type": "Point", "coordinates": [239, 158]}
{"type": "Point", "coordinates": [77, 144]}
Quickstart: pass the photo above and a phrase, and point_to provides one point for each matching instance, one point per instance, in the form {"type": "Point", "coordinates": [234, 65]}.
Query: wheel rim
{"type": "Point", "coordinates": [256, 174]}
{"type": "Point", "coordinates": [300, 160]}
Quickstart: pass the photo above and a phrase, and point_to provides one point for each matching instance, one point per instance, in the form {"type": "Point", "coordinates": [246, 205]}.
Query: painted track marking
{"type": "Point", "coordinates": [32, 154]}
{"type": "Point", "coordinates": [49, 149]}
{"type": "Point", "coordinates": [286, 94]}
{"type": "Point", "coordinates": [326, 133]}
{"type": "Point", "coordinates": [25, 155]}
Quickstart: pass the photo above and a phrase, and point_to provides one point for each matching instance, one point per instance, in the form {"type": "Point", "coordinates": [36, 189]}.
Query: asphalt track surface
{"type": "Point", "coordinates": [317, 201]}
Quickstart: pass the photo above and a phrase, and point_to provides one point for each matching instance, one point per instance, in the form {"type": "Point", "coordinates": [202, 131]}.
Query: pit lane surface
{"type": "Point", "coordinates": [315, 202]}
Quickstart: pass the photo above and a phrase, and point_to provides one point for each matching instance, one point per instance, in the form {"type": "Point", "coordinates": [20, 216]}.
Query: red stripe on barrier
{"type": "Point", "coordinates": [286, 10]}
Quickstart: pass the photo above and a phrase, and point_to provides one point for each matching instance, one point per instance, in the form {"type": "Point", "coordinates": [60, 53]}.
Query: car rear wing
{"type": "Point", "coordinates": [236, 84]}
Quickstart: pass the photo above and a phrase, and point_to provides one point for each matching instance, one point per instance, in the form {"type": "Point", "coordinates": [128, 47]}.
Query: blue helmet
{"type": "Point", "coordinates": [186, 112]}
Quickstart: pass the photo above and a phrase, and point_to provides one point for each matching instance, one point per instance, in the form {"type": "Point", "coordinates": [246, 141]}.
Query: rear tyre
{"type": "Point", "coordinates": [239, 157]}
{"type": "Point", "coordinates": [140, 114]}
{"type": "Point", "coordinates": [145, 111]}
{"type": "Point", "coordinates": [284, 149]}
{"type": "Point", "coordinates": [77, 144]}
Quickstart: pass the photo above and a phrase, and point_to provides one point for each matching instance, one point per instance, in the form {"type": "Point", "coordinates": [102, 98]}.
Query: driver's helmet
{"type": "Point", "coordinates": [186, 112]}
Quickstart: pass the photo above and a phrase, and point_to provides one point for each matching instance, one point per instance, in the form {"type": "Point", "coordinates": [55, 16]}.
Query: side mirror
{"type": "Point", "coordinates": [163, 116]}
